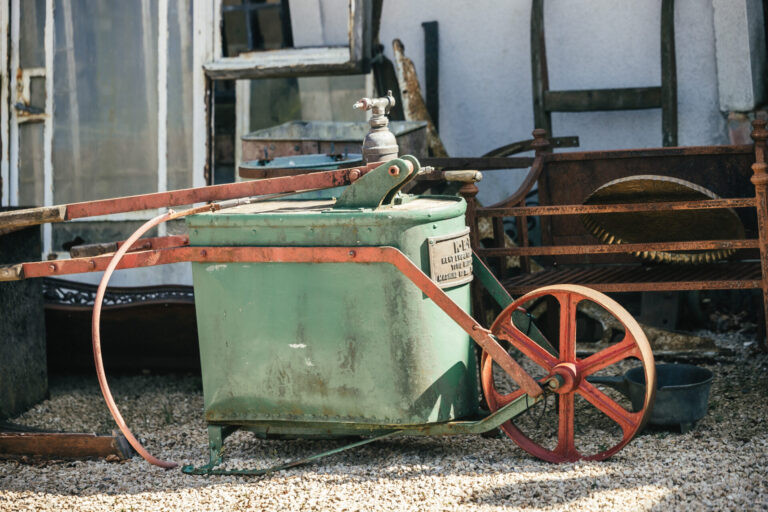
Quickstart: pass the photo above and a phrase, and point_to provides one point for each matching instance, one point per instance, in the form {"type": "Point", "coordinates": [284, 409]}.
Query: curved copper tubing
{"type": "Point", "coordinates": [96, 331]}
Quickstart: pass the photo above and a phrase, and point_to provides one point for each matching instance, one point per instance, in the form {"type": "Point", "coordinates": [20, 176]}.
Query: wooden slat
{"type": "Point", "coordinates": [13, 220]}
{"type": "Point", "coordinates": [479, 163]}
{"type": "Point", "coordinates": [720, 276]}
{"type": "Point", "coordinates": [539, 73]}
{"type": "Point", "coordinates": [629, 98]}
{"type": "Point", "coordinates": [62, 445]}
{"type": "Point", "coordinates": [284, 63]}
{"type": "Point", "coordinates": [594, 209]}
{"type": "Point", "coordinates": [558, 250]}
{"type": "Point", "coordinates": [431, 71]}
{"type": "Point", "coordinates": [668, 75]}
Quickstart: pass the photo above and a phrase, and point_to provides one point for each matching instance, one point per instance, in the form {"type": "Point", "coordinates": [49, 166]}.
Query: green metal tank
{"type": "Point", "coordinates": [334, 348]}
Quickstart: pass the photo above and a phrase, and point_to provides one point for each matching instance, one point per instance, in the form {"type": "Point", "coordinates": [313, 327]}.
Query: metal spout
{"type": "Point", "coordinates": [379, 144]}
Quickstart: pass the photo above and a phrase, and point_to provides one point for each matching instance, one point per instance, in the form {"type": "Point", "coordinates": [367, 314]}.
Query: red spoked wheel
{"type": "Point", "coordinates": [572, 373]}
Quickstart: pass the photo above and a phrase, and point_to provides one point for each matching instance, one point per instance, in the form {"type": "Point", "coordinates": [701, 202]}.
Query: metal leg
{"type": "Point", "coordinates": [216, 436]}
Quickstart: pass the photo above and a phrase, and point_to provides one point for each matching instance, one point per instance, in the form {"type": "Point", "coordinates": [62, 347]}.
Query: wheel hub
{"type": "Point", "coordinates": [567, 376]}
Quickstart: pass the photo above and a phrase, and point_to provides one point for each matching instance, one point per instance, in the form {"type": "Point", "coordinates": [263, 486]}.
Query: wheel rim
{"type": "Point", "coordinates": [573, 372]}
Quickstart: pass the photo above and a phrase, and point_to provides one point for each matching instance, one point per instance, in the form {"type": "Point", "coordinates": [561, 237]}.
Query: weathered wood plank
{"type": "Point", "coordinates": [431, 71]}
{"type": "Point", "coordinates": [539, 74]}
{"type": "Point", "coordinates": [63, 445]}
{"type": "Point", "coordinates": [11, 272]}
{"type": "Point", "coordinates": [481, 163]}
{"type": "Point", "coordinates": [285, 63]}
{"type": "Point", "coordinates": [630, 98]}
{"type": "Point", "coordinates": [668, 75]}
{"type": "Point", "coordinates": [17, 219]}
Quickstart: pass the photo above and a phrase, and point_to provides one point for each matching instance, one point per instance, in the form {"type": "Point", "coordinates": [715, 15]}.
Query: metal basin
{"type": "Point", "coordinates": [682, 393]}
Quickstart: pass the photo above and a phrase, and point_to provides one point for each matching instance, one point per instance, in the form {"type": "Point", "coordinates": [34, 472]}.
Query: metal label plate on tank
{"type": "Point", "coordinates": [450, 259]}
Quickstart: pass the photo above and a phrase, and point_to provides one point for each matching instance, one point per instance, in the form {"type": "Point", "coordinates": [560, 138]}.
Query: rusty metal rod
{"type": "Point", "coordinates": [17, 219]}
{"type": "Point", "coordinates": [620, 248]}
{"type": "Point", "coordinates": [650, 286]}
{"type": "Point", "coordinates": [579, 209]}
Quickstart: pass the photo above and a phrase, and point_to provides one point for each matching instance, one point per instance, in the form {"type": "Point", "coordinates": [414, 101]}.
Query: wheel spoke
{"type": "Point", "coordinates": [527, 346]}
{"type": "Point", "coordinates": [628, 421]}
{"type": "Point", "coordinates": [566, 446]}
{"type": "Point", "coordinates": [567, 341]}
{"type": "Point", "coordinates": [613, 354]}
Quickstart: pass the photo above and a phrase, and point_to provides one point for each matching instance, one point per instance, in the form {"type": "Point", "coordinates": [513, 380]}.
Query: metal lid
{"type": "Point", "coordinates": [419, 209]}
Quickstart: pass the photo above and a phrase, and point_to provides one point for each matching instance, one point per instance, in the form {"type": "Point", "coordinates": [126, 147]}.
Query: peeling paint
{"type": "Point", "coordinates": [214, 268]}
{"type": "Point", "coordinates": [297, 345]}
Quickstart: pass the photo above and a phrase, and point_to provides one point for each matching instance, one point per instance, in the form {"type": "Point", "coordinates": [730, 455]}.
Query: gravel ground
{"type": "Point", "coordinates": [720, 465]}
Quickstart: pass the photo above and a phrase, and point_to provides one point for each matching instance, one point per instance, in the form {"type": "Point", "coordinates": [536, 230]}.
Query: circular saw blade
{"type": "Point", "coordinates": [662, 225]}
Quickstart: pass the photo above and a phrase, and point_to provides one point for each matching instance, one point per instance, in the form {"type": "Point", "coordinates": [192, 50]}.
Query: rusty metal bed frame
{"type": "Point", "coordinates": [570, 254]}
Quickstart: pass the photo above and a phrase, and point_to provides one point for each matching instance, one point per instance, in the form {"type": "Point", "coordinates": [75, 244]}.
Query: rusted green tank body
{"type": "Point", "coordinates": [333, 348]}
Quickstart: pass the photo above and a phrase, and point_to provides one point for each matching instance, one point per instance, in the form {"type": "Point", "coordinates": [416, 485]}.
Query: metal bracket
{"type": "Point", "coordinates": [373, 189]}
{"type": "Point", "coordinates": [26, 113]}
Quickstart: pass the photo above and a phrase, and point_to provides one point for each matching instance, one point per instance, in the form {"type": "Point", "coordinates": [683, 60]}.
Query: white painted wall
{"type": "Point", "coordinates": [485, 71]}
{"type": "Point", "coordinates": [741, 55]}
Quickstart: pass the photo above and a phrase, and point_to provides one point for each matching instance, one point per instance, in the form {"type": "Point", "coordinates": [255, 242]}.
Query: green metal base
{"type": "Point", "coordinates": [217, 434]}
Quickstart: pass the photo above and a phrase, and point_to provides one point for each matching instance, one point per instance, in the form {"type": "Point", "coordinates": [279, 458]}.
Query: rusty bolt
{"type": "Point", "coordinates": [393, 170]}
{"type": "Point", "coordinates": [203, 253]}
{"type": "Point", "coordinates": [52, 266]}
{"type": "Point", "coordinates": [92, 263]}
{"type": "Point", "coordinates": [354, 175]}
{"type": "Point", "coordinates": [352, 253]}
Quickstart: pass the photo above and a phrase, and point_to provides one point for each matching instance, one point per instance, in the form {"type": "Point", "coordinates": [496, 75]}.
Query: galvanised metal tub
{"type": "Point", "coordinates": [335, 348]}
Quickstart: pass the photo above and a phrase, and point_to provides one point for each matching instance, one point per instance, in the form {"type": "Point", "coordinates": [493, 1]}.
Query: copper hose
{"type": "Point", "coordinates": [96, 330]}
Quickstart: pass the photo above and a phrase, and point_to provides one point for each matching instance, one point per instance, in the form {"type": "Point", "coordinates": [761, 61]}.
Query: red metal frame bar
{"type": "Point", "coordinates": [388, 255]}
{"type": "Point", "coordinates": [620, 248]}
{"type": "Point", "coordinates": [579, 209]}
{"type": "Point", "coordinates": [650, 286]}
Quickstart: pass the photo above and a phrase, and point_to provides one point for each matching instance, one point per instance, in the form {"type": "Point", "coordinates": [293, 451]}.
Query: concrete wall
{"type": "Point", "coordinates": [485, 71]}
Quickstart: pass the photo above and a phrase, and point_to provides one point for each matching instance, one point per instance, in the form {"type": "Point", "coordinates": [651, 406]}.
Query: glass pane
{"type": "Point", "coordinates": [105, 78]}
{"type": "Point", "coordinates": [32, 34]}
{"type": "Point", "coordinates": [32, 55]}
{"type": "Point", "coordinates": [274, 101]}
{"type": "Point", "coordinates": [31, 164]}
{"type": "Point", "coordinates": [254, 25]}
{"type": "Point", "coordinates": [179, 94]}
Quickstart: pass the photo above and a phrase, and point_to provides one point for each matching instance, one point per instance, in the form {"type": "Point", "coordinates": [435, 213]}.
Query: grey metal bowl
{"type": "Point", "coordinates": [682, 393]}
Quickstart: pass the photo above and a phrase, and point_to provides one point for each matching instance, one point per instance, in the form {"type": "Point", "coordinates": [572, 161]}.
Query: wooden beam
{"type": "Point", "coordinates": [630, 98]}
{"type": "Point", "coordinates": [539, 74]}
{"type": "Point", "coordinates": [668, 75]}
{"type": "Point", "coordinates": [290, 62]}
{"type": "Point", "coordinates": [63, 445]}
